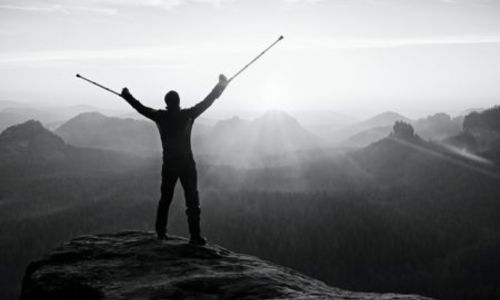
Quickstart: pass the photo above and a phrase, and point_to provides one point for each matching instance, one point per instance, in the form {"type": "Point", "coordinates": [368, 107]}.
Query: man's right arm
{"type": "Point", "coordinates": [143, 110]}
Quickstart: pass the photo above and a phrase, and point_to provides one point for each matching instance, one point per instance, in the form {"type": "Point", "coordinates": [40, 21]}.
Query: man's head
{"type": "Point", "coordinates": [172, 100]}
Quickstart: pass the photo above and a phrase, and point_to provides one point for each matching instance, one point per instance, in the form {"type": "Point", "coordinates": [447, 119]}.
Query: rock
{"type": "Point", "coordinates": [134, 265]}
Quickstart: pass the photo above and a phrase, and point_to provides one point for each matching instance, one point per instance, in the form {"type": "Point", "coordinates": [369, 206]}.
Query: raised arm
{"type": "Point", "coordinates": [143, 110]}
{"type": "Point", "coordinates": [199, 108]}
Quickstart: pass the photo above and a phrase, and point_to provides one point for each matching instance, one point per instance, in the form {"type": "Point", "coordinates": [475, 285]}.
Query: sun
{"type": "Point", "coordinates": [274, 92]}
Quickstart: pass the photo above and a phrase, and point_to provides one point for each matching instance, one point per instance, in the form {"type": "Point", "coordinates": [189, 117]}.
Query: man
{"type": "Point", "coordinates": [175, 126]}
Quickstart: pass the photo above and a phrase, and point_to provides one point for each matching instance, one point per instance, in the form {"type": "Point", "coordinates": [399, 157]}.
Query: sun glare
{"type": "Point", "coordinates": [273, 93]}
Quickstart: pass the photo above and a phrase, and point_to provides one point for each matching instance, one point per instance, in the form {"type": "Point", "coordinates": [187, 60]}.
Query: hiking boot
{"type": "Point", "coordinates": [163, 236]}
{"type": "Point", "coordinates": [198, 241]}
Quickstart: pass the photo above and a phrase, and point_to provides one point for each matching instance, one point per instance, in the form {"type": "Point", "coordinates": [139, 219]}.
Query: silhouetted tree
{"type": "Point", "coordinates": [488, 119]}
{"type": "Point", "coordinates": [403, 130]}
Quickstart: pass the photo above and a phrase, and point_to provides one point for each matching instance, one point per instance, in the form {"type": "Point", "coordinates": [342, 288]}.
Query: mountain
{"type": "Point", "coordinates": [364, 132]}
{"type": "Point", "coordinates": [225, 135]}
{"type": "Point", "coordinates": [231, 141]}
{"type": "Point", "coordinates": [49, 116]}
{"type": "Point", "coordinates": [252, 142]}
{"type": "Point", "coordinates": [30, 147]}
{"type": "Point", "coordinates": [134, 265]}
{"type": "Point", "coordinates": [428, 217]}
{"type": "Point", "coordinates": [44, 180]}
{"type": "Point", "coordinates": [435, 127]}
{"type": "Point", "coordinates": [279, 132]}
{"type": "Point", "coordinates": [30, 142]}
{"type": "Point", "coordinates": [203, 121]}
{"type": "Point", "coordinates": [368, 136]}
{"type": "Point", "coordinates": [12, 116]}
{"type": "Point", "coordinates": [382, 119]}
{"type": "Point", "coordinates": [438, 126]}
{"type": "Point", "coordinates": [481, 134]}
{"type": "Point", "coordinates": [316, 118]}
{"type": "Point", "coordinates": [486, 120]}
{"type": "Point", "coordinates": [470, 110]}
{"type": "Point", "coordinates": [403, 158]}
{"type": "Point", "coordinates": [323, 122]}
{"type": "Point", "coordinates": [95, 130]}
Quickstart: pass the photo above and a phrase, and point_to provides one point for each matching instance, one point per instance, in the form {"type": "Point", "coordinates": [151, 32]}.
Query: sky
{"type": "Point", "coordinates": [356, 57]}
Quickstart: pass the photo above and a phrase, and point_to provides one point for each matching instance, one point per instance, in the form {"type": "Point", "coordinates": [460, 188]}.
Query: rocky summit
{"type": "Point", "coordinates": [135, 265]}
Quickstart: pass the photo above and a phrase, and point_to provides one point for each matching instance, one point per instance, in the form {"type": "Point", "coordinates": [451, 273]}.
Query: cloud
{"type": "Point", "coordinates": [138, 54]}
{"type": "Point", "coordinates": [58, 8]}
{"type": "Point", "coordinates": [34, 8]}
{"type": "Point", "coordinates": [342, 43]}
{"type": "Point", "coordinates": [99, 10]}
{"type": "Point", "coordinates": [164, 4]}
{"type": "Point", "coordinates": [185, 50]}
{"type": "Point", "coordinates": [100, 6]}
{"type": "Point", "coordinates": [301, 1]}
{"type": "Point", "coordinates": [81, 55]}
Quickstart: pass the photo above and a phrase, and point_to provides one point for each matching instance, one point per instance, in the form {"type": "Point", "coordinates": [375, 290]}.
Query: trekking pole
{"type": "Point", "coordinates": [99, 85]}
{"type": "Point", "coordinates": [253, 60]}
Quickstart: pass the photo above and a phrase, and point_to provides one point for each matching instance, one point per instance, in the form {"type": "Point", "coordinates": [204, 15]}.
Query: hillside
{"type": "Point", "coordinates": [30, 141]}
{"type": "Point", "coordinates": [480, 134]}
{"type": "Point", "coordinates": [134, 265]}
{"type": "Point", "coordinates": [30, 148]}
{"type": "Point", "coordinates": [412, 161]}
{"type": "Point", "coordinates": [96, 130]}
{"type": "Point", "coordinates": [435, 127]}
{"type": "Point", "coordinates": [388, 198]}
{"type": "Point", "coordinates": [383, 119]}
{"type": "Point", "coordinates": [12, 113]}
{"type": "Point", "coordinates": [256, 142]}
{"type": "Point", "coordinates": [232, 141]}
{"type": "Point", "coordinates": [364, 132]}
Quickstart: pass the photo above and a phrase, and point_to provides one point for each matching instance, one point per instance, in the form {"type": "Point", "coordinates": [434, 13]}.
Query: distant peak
{"type": "Point", "coordinates": [91, 114]}
{"type": "Point", "coordinates": [276, 115]}
{"type": "Point", "coordinates": [29, 135]}
{"type": "Point", "coordinates": [33, 124]}
{"type": "Point", "coordinates": [390, 113]}
{"type": "Point", "coordinates": [276, 112]}
{"type": "Point", "coordinates": [26, 129]}
{"type": "Point", "coordinates": [385, 118]}
{"type": "Point", "coordinates": [88, 118]}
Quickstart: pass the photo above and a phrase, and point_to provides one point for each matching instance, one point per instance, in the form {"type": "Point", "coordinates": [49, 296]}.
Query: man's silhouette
{"type": "Point", "coordinates": [175, 126]}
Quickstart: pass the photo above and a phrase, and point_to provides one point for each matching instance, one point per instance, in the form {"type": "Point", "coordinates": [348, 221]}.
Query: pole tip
{"type": "Point", "coordinates": [281, 37]}
{"type": "Point", "coordinates": [78, 75]}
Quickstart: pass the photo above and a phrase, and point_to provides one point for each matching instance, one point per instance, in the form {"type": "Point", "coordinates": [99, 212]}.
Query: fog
{"type": "Point", "coordinates": [362, 150]}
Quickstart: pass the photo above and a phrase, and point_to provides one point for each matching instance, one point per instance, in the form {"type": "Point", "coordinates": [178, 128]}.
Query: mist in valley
{"type": "Point", "coordinates": [362, 150]}
{"type": "Point", "coordinates": [395, 211]}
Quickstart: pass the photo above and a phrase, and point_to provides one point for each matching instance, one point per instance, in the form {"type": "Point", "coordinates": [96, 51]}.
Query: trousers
{"type": "Point", "coordinates": [185, 171]}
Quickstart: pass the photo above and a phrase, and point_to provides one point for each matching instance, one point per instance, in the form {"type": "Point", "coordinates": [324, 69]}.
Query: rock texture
{"type": "Point", "coordinates": [134, 265]}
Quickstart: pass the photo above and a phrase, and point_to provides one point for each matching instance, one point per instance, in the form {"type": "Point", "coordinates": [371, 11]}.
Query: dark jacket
{"type": "Point", "coordinates": [175, 125]}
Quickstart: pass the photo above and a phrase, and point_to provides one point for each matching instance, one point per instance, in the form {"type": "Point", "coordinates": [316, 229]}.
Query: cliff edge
{"type": "Point", "coordinates": [134, 265]}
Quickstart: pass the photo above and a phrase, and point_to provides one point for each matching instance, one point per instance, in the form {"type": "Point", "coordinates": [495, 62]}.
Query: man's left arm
{"type": "Point", "coordinates": [216, 92]}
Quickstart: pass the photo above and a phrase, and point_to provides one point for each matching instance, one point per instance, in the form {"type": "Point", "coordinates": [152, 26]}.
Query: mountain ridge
{"type": "Point", "coordinates": [233, 140]}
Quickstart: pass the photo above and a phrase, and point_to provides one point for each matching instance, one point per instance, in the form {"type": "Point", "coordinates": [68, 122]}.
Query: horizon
{"type": "Point", "coordinates": [223, 114]}
{"type": "Point", "coordinates": [357, 58]}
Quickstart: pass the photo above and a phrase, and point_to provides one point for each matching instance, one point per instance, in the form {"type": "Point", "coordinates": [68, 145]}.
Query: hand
{"type": "Point", "coordinates": [223, 80]}
{"type": "Point", "coordinates": [126, 94]}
